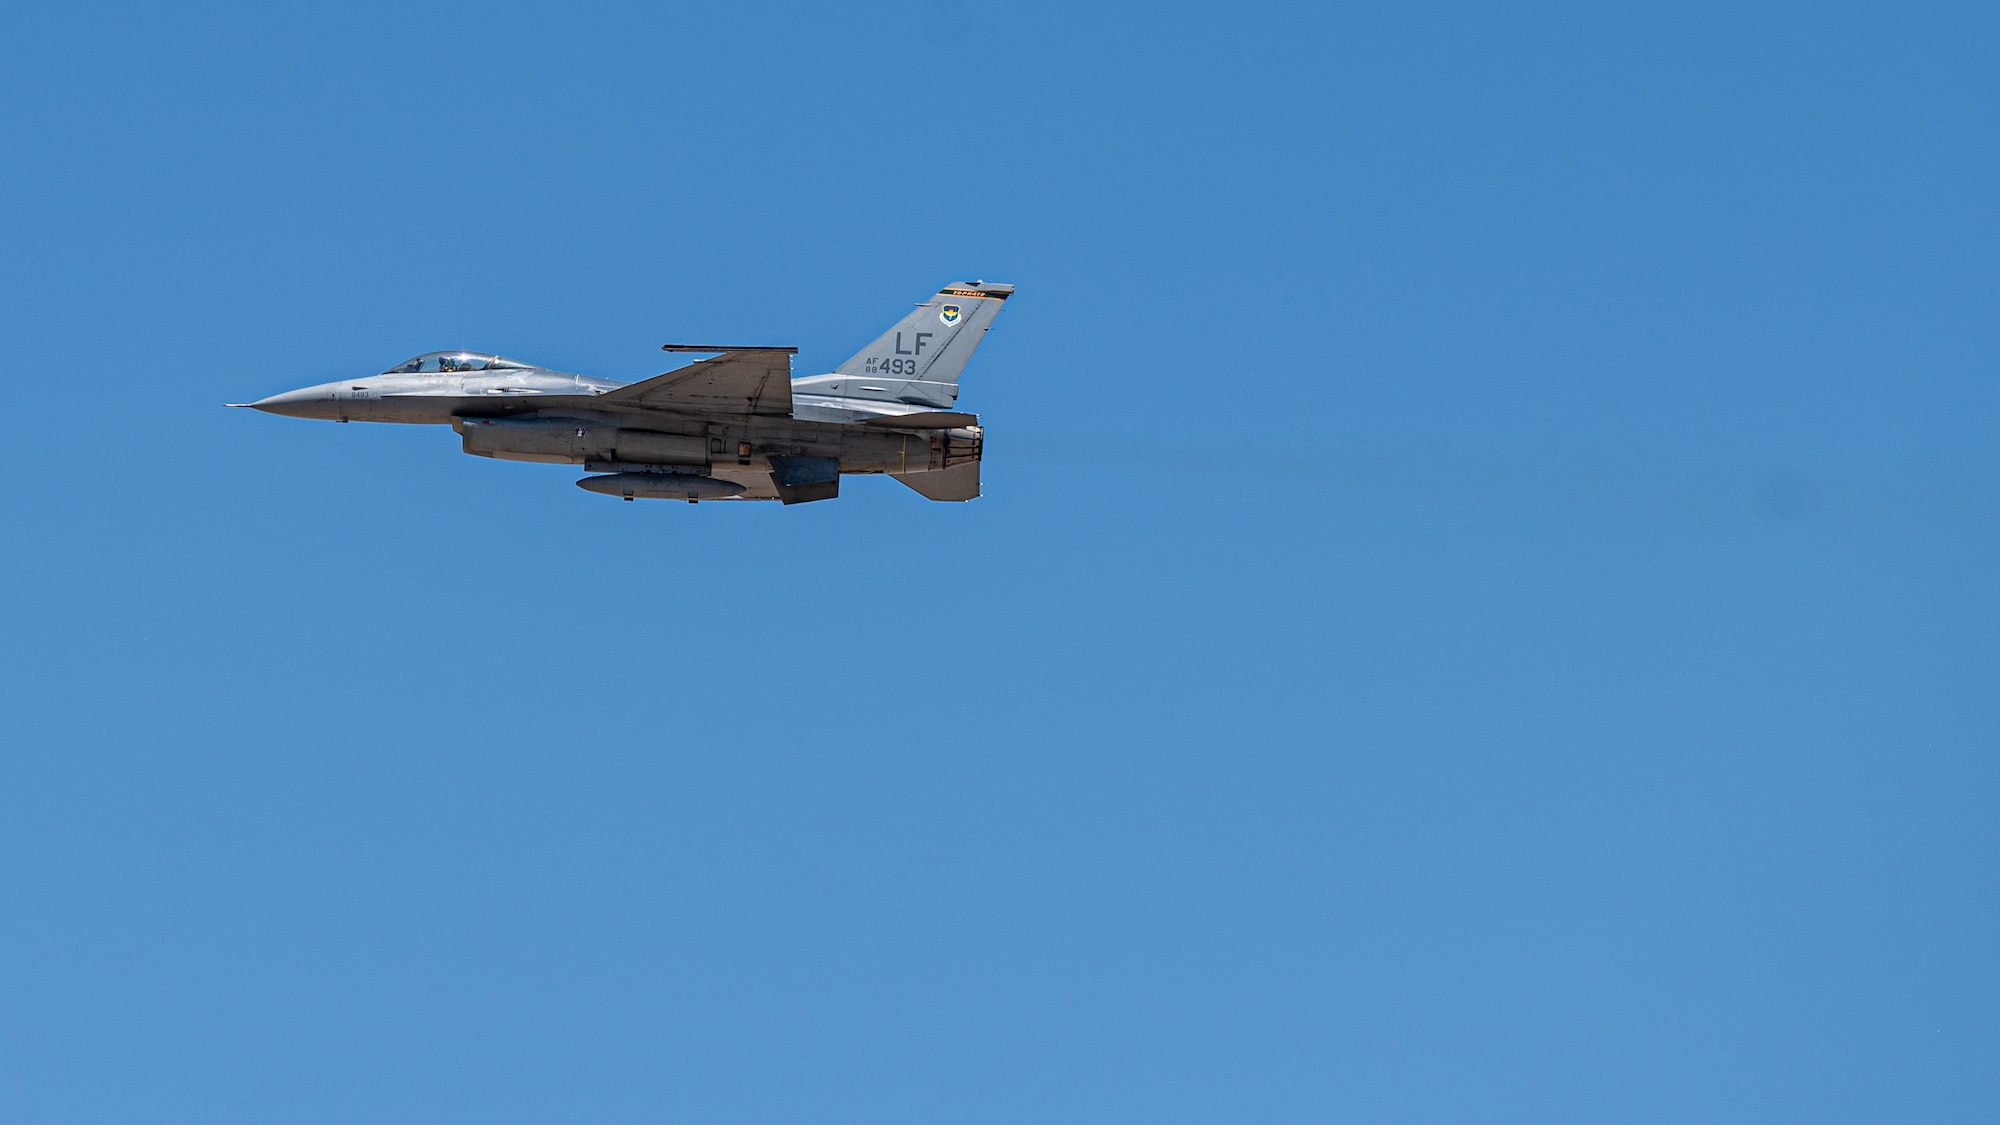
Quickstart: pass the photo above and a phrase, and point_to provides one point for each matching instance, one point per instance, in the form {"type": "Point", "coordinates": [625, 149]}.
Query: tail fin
{"type": "Point", "coordinates": [929, 347]}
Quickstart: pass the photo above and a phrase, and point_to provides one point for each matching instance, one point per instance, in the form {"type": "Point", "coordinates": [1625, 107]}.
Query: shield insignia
{"type": "Point", "coordinates": [948, 314]}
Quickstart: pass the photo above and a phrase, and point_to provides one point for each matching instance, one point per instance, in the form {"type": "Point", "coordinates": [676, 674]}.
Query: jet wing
{"type": "Point", "coordinates": [739, 381]}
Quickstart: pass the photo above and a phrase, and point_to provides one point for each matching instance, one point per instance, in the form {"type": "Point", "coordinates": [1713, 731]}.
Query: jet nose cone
{"type": "Point", "coordinates": [306, 402]}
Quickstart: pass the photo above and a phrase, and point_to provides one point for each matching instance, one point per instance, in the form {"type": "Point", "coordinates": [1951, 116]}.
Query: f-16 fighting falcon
{"type": "Point", "coordinates": [736, 426]}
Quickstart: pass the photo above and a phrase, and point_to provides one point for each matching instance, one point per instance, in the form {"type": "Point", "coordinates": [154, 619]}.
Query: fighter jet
{"type": "Point", "coordinates": [736, 426]}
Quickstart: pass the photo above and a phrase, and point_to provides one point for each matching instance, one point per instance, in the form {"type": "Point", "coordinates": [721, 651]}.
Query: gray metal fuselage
{"type": "Point", "coordinates": [535, 414]}
{"type": "Point", "coordinates": [733, 426]}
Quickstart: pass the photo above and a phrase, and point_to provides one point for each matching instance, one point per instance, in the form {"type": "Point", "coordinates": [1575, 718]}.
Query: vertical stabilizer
{"type": "Point", "coordinates": [930, 346]}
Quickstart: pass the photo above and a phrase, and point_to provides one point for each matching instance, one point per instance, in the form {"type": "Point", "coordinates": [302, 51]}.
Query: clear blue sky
{"type": "Point", "coordinates": [1485, 607]}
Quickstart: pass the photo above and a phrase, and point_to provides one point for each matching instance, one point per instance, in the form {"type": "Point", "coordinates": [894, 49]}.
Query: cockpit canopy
{"type": "Point", "coordinates": [432, 363]}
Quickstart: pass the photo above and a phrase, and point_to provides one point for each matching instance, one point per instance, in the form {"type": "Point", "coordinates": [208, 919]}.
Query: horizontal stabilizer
{"type": "Point", "coordinates": [925, 420]}
{"type": "Point", "coordinates": [960, 482]}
